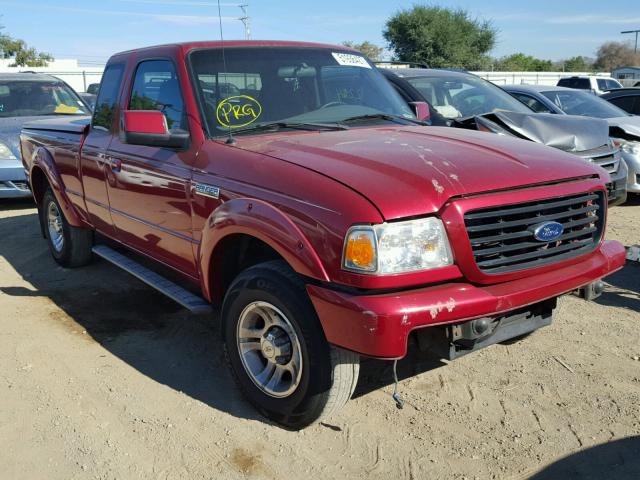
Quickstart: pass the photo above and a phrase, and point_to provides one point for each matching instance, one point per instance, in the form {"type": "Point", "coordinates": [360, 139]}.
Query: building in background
{"type": "Point", "coordinates": [65, 69]}
{"type": "Point", "coordinates": [627, 76]}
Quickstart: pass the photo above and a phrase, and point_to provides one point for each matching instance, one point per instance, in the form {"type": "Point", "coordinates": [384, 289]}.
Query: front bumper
{"type": "Point", "coordinates": [633, 177]}
{"type": "Point", "coordinates": [617, 188]}
{"type": "Point", "coordinates": [379, 325]}
{"type": "Point", "coordinates": [13, 182]}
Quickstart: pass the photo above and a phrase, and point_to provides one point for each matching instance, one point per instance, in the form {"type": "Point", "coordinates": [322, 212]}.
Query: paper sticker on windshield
{"type": "Point", "coordinates": [350, 60]}
{"type": "Point", "coordinates": [238, 111]}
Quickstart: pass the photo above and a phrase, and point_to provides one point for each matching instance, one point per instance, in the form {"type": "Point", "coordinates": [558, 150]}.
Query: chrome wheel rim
{"type": "Point", "coordinates": [54, 224]}
{"type": "Point", "coordinates": [269, 349]}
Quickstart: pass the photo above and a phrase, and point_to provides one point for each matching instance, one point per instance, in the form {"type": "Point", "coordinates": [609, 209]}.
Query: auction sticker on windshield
{"type": "Point", "coordinates": [238, 111]}
{"type": "Point", "coordinates": [350, 60]}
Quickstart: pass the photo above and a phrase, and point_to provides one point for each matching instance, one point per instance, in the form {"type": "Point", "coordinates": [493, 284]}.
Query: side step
{"type": "Point", "coordinates": [175, 292]}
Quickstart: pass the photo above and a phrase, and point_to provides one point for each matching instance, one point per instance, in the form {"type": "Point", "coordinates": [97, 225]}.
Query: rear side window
{"type": "Point", "coordinates": [156, 87]}
{"type": "Point", "coordinates": [612, 85]}
{"type": "Point", "coordinates": [107, 97]}
{"type": "Point", "coordinates": [534, 104]}
{"type": "Point", "coordinates": [602, 84]}
{"type": "Point", "coordinates": [581, 83]}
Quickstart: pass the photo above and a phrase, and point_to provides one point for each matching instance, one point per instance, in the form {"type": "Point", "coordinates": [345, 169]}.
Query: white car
{"type": "Point", "coordinates": [594, 83]}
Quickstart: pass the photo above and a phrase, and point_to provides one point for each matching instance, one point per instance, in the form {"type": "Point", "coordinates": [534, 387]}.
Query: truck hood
{"type": "Point", "coordinates": [408, 171]}
{"type": "Point", "coordinates": [570, 133]}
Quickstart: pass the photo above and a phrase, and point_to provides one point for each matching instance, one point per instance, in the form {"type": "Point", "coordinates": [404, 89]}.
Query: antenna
{"type": "Point", "coordinates": [230, 139]}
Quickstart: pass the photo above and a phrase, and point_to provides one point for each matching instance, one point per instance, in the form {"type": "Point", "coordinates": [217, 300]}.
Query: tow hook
{"type": "Point", "coordinates": [592, 291]}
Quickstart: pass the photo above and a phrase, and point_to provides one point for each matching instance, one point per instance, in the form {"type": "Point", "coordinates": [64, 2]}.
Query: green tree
{"type": "Point", "coordinates": [23, 55]}
{"type": "Point", "coordinates": [440, 37]}
{"type": "Point", "coordinates": [578, 64]}
{"type": "Point", "coordinates": [367, 48]}
{"type": "Point", "coordinates": [519, 62]}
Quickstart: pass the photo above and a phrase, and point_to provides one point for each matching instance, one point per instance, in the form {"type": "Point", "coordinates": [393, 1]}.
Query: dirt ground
{"type": "Point", "coordinates": [103, 378]}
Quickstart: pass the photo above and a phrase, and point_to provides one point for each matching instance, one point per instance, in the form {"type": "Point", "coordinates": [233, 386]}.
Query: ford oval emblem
{"type": "Point", "coordinates": [548, 231]}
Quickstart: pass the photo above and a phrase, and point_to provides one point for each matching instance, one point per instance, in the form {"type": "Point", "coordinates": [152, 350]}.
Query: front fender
{"type": "Point", "coordinates": [264, 222]}
{"type": "Point", "coordinates": [42, 160]}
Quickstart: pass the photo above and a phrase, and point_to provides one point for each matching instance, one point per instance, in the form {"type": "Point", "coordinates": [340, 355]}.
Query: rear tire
{"type": "Point", "coordinates": [269, 324]}
{"type": "Point", "coordinates": [69, 245]}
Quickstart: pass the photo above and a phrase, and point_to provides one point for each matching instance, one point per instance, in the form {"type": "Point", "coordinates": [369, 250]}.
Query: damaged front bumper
{"type": "Point", "coordinates": [379, 325]}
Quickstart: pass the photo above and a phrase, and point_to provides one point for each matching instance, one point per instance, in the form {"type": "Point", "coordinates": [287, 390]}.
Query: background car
{"type": "Point", "coordinates": [25, 97]}
{"type": "Point", "coordinates": [624, 128]}
{"type": "Point", "coordinates": [595, 84]}
{"type": "Point", "coordinates": [93, 88]}
{"type": "Point", "coordinates": [89, 99]}
{"type": "Point", "coordinates": [464, 100]}
{"type": "Point", "coordinates": [628, 99]}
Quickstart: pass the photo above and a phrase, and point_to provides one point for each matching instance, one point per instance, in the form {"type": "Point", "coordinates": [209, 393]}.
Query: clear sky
{"type": "Point", "coordinates": [92, 31]}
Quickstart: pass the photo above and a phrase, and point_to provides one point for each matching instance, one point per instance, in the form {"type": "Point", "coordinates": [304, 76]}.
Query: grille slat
{"type": "Point", "coordinates": [531, 208]}
{"type": "Point", "coordinates": [502, 238]}
{"type": "Point", "coordinates": [518, 246]}
{"type": "Point", "coordinates": [533, 220]}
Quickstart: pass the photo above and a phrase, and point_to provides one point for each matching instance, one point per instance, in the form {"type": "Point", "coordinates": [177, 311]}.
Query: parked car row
{"type": "Point", "coordinates": [25, 97]}
{"type": "Point", "coordinates": [464, 100]}
{"type": "Point", "coordinates": [304, 191]}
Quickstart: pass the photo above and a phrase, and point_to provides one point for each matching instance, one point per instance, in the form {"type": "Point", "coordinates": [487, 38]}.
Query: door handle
{"type": "Point", "coordinates": [116, 164]}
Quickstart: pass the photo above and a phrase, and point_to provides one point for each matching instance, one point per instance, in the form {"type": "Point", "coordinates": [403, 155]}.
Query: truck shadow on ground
{"type": "Point", "coordinates": [623, 288]}
{"type": "Point", "coordinates": [619, 459]}
{"type": "Point", "coordinates": [141, 326]}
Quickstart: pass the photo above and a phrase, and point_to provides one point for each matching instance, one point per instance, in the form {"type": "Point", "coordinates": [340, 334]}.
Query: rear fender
{"type": "Point", "coordinates": [43, 160]}
{"type": "Point", "coordinates": [264, 222]}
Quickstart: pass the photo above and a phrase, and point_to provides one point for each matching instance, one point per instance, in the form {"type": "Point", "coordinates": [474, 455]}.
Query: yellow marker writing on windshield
{"type": "Point", "coordinates": [238, 111]}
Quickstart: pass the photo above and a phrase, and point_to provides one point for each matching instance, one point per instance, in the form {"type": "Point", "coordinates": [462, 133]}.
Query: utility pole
{"type": "Point", "coordinates": [635, 50]}
{"type": "Point", "coordinates": [245, 20]}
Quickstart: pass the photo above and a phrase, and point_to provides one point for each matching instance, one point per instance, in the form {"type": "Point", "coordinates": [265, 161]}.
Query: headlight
{"type": "Point", "coordinates": [627, 146]}
{"type": "Point", "coordinates": [397, 247]}
{"type": "Point", "coordinates": [5, 153]}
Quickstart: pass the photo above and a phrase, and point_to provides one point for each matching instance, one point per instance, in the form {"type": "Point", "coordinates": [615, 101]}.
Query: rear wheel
{"type": "Point", "coordinates": [277, 350]}
{"type": "Point", "coordinates": [69, 245]}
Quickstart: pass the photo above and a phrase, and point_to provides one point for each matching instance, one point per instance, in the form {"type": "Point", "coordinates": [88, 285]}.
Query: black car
{"type": "Point", "coordinates": [627, 99]}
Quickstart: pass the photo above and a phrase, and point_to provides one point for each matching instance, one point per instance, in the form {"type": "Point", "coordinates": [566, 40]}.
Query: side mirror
{"type": "Point", "coordinates": [421, 109]}
{"type": "Point", "coordinates": [149, 127]}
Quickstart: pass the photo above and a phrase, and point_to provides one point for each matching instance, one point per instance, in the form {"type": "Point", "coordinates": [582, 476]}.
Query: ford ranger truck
{"type": "Point", "coordinates": [290, 184]}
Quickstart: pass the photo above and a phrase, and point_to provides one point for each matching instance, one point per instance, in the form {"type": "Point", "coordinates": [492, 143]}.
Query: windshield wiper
{"type": "Point", "coordinates": [275, 126]}
{"type": "Point", "coordinates": [384, 116]}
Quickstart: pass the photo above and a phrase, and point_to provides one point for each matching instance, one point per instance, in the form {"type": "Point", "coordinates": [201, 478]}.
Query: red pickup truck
{"type": "Point", "coordinates": [291, 184]}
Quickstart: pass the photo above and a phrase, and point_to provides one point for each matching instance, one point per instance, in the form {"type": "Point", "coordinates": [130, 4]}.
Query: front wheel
{"type": "Point", "coordinates": [277, 350]}
{"type": "Point", "coordinates": [69, 245]}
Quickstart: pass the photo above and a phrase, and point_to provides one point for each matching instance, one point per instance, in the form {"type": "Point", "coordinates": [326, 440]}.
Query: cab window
{"type": "Point", "coordinates": [107, 97]}
{"type": "Point", "coordinates": [156, 87]}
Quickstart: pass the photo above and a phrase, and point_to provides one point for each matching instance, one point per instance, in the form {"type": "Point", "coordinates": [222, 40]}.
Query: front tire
{"type": "Point", "coordinates": [277, 350]}
{"type": "Point", "coordinates": [69, 245]}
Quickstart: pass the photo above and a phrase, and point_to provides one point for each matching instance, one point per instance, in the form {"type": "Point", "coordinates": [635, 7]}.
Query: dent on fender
{"type": "Point", "coordinates": [266, 223]}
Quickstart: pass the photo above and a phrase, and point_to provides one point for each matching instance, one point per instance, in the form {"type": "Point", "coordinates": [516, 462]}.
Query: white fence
{"type": "Point", "coordinates": [81, 77]}
{"type": "Point", "coordinates": [78, 77]}
{"type": "Point", "coordinates": [530, 78]}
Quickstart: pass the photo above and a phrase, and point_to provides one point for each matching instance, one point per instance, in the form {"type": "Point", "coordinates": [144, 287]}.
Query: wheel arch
{"type": "Point", "coordinates": [43, 174]}
{"type": "Point", "coordinates": [243, 232]}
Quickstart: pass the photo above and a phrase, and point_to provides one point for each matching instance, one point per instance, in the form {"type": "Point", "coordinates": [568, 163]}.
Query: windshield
{"type": "Point", "coordinates": [465, 96]}
{"type": "Point", "coordinates": [290, 85]}
{"type": "Point", "coordinates": [575, 102]}
{"type": "Point", "coordinates": [33, 98]}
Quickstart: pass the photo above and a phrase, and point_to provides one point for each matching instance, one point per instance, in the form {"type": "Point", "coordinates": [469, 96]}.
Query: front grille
{"type": "Point", "coordinates": [603, 157]}
{"type": "Point", "coordinates": [502, 237]}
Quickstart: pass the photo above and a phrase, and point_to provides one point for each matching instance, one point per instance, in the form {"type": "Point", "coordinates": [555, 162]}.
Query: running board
{"type": "Point", "coordinates": [175, 292]}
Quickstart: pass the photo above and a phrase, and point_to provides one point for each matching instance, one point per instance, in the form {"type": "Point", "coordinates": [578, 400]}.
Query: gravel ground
{"type": "Point", "coordinates": [103, 378]}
